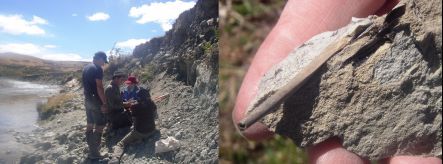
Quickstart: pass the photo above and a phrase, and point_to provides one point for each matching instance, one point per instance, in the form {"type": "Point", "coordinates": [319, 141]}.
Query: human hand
{"type": "Point", "coordinates": [126, 105]}
{"type": "Point", "coordinates": [104, 109]}
{"type": "Point", "coordinates": [299, 21]}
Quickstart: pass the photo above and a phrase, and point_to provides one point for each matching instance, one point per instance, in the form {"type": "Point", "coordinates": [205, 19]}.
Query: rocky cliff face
{"type": "Point", "coordinates": [190, 43]}
{"type": "Point", "coordinates": [384, 102]}
{"type": "Point", "coordinates": [182, 67]}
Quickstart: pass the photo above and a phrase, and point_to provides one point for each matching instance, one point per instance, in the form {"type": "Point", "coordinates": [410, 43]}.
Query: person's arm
{"type": "Point", "coordinates": [100, 90]}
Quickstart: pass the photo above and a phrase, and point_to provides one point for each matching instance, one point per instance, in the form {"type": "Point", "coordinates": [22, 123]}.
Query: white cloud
{"type": "Point", "coordinates": [50, 46]}
{"type": "Point", "coordinates": [62, 57]}
{"type": "Point", "coordinates": [38, 20]}
{"type": "Point", "coordinates": [100, 16]}
{"type": "Point", "coordinates": [166, 25]}
{"type": "Point", "coordinates": [108, 52]}
{"type": "Point", "coordinates": [40, 52]}
{"type": "Point", "coordinates": [74, 14]}
{"type": "Point", "coordinates": [16, 25]}
{"type": "Point", "coordinates": [163, 13]}
{"type": "Point", "coordinates": [130, 43]}
{"type": "Point", "coordinates": [25, 48]}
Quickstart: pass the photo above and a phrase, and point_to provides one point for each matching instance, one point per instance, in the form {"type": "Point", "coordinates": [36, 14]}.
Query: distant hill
{"type": "Point", "coordinates": [18, 65]}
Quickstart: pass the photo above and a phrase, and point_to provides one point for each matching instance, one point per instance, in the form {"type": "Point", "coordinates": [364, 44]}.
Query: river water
{"type": "Point", "coordinates": [18, 114]}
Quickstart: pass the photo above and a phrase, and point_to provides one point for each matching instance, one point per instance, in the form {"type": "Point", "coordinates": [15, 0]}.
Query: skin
{"type": "Point", "coordinates": [128, 104]}
{"type": "Point", "coordinates": [101, 94]}
{"type": "Point", "coordinates": [291, 31]}
{"type": "Point", "coordinates": [131, 87]}
{"type": "Point", "coordinates": [118, 81]}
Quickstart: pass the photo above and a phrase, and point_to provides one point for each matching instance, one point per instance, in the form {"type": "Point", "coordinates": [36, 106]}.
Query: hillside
{"type": "Point", "coordinates": [33, 68]}
{"type": "Point", "coordinates": [181, 67]}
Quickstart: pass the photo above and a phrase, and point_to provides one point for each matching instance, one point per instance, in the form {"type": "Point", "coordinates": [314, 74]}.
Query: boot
{"type": "Point", "coordinates": [94, 147]}
{"type": "Point", "coordinates": [89, 140]}
{"type": "Point", "coordinates": [117, 154]}
{"type": "Point", "coordinates": [88, 137]}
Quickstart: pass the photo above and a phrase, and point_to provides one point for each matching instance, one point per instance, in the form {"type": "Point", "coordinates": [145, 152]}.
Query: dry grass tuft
{"type": "Point", "coordinates": [53, 105]}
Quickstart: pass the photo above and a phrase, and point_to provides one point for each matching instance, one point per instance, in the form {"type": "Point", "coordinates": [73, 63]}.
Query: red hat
{"type": "Point", "coordinates": [131, 80]}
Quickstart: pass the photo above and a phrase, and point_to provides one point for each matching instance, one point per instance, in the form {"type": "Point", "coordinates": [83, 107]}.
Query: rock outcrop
{"type": "Point", "coordinates": [386, 103]}
{"type": "Point", "coordinates": [192, 41]}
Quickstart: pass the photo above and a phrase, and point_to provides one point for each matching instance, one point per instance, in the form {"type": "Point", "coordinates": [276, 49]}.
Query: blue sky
{"type": "Point", "coordinates": [76, 29]}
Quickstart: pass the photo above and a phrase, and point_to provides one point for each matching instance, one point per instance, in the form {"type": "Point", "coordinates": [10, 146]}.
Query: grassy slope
{"type": "Point", "coordinates": [17, 65]}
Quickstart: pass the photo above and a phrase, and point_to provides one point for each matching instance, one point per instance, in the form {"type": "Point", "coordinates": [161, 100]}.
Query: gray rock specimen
{"type": "Point", "coordinates": [384, 104]}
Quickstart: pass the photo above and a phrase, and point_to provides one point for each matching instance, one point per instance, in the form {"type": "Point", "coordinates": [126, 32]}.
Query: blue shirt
{"type": "Point", "coordinates": [91, 72]}
{"type": "Point", "coordinates": [127, 95]}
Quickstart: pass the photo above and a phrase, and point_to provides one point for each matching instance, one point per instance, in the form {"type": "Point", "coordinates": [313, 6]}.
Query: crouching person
{"type": "Point", "coordinates": [143, 112]}
{"type": "Point", "coordinates": [117, 116]}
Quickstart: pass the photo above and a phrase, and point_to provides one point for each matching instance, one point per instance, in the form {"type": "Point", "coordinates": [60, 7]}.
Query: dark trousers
{"type": "Point", "coordinates": [119, 120]}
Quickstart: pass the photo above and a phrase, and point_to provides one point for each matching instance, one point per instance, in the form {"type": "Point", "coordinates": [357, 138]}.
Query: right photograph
{"type": "Point", "coordinates": [346, 81]}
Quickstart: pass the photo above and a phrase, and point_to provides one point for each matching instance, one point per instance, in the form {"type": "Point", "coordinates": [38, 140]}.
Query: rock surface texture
{"type": "Point", "coordinates": [386, 103]}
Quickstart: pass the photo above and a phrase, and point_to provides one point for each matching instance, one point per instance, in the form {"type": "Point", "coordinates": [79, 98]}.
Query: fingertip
{"type": "Point", "coordinates": [331, 151]}
{"type": "Point", "coordinates": [324, 146]}
{"type": "Point", "coordinates": [257, 132]}
{"type": "Point", "coordinates": [411, 160]}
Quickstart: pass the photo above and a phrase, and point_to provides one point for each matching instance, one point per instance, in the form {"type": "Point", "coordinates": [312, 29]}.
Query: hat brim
{"type": "Point", "coordinates": [130, 82]}
{"type": "Point", "coordinates": [119, 75]}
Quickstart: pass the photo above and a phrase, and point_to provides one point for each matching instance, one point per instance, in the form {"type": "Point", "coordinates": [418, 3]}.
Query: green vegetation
{"type": "Point", "coordinates": [252, 8]}
{"type": "Point", "coordinates": [147, 74]}
{"type": "Point", "coordinates": [206, 46]}
{"type": "Point", "coordinates": [275, 151]}
{"type": "Point", "coordinates": [20, 71]}
{"type": "Point", "coordinates": [116, 62]}
{"type": "Point", "coordinates": [53, 105]}
{"type": "Point", "coordinates": [217, 34]}
{"type": "Point", "coordinates": [283, 150]}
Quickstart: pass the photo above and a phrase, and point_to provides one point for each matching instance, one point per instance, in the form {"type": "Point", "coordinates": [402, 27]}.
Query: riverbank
{"type": "Point", "coordinates": [18, 101]}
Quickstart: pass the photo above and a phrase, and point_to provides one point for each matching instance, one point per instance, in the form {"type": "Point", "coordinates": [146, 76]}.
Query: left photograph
{"type": "Point", "coordinates": [109, 82]}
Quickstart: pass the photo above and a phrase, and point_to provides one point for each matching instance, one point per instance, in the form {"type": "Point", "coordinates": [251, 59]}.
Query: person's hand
{"type": "Point", "coordinates": [126, 105]}
{"type": "Point", "coordinates": [299, 21]}
{"type": "Point", "coordinates": [104, 109]}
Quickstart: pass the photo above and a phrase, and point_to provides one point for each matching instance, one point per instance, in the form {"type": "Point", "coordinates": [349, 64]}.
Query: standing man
{"type": "Point", "coordinates": [95, 103]}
